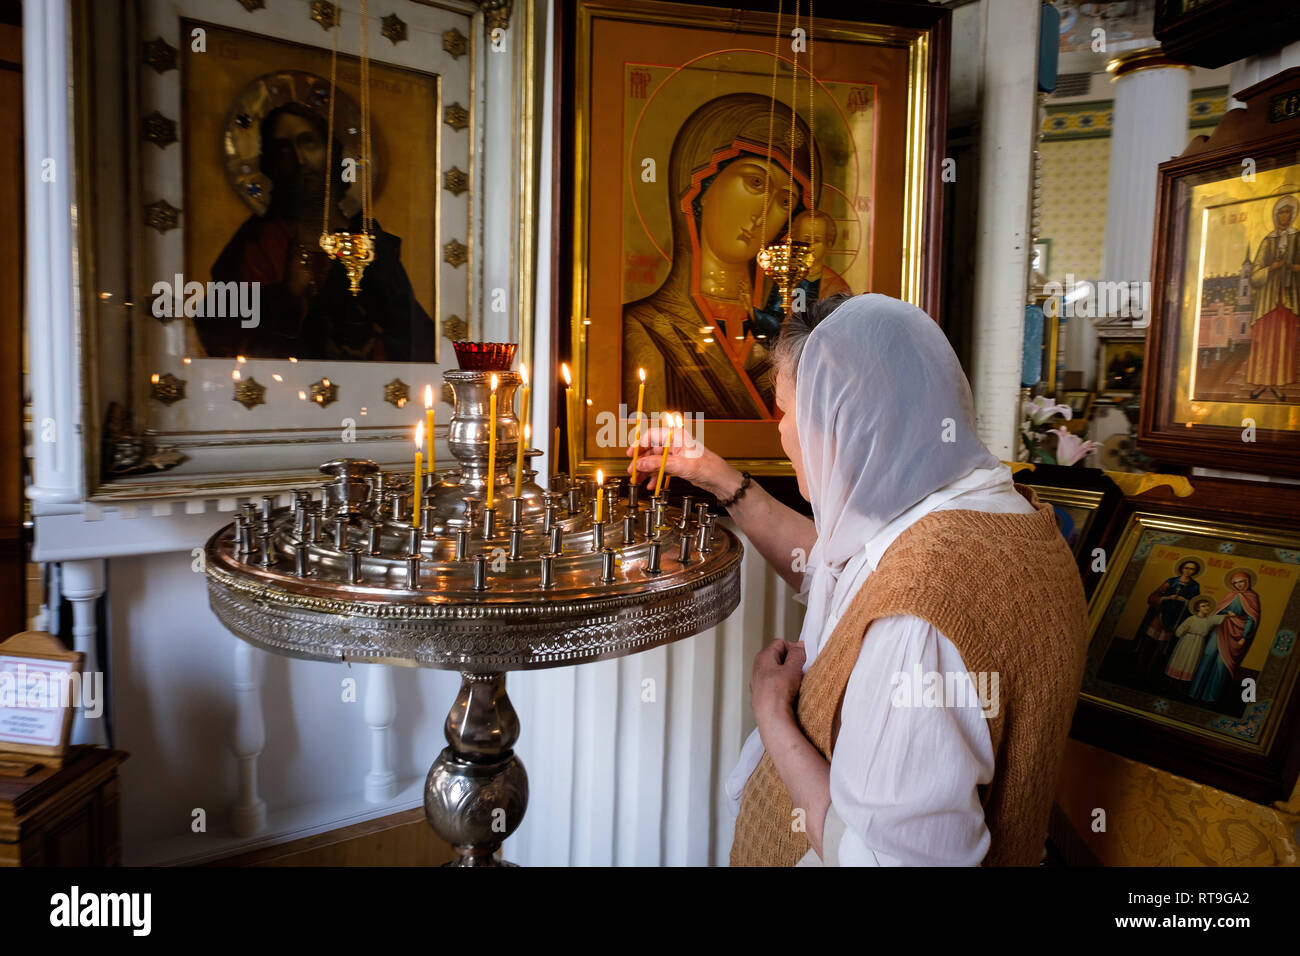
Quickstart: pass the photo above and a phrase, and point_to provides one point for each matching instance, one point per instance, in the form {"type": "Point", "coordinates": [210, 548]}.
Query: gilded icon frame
{"type": "Point", "coordinates": [1223, 186]}
{"type": "Point", "coordinates": [1154, 718]}
{"type": "Point", "coordinates": [921, 38]}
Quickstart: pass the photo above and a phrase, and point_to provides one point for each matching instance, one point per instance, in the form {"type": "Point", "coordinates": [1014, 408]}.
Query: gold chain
{"type": "Point", "coordinates": [812, 145]}
{"type": "Point", "coordinates": [771, 120]}
{"type": "Point", "coordinates": [794, 110]}
{"type": "Point", "coordinates": [329, 128]}
{"type": "Point", "coordinates": [365, 120]}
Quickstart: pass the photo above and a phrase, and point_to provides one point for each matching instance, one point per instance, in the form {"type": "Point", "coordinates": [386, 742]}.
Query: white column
{"type": "Point", "coordinates": [1149, 127]}
{"type": "Point", "coordinates": [1007, 131]}
{"type": "Point", "coordinates": [83, 585]}
{"type": "Point", "coordinates": [52, 336]}
{"type": "Point", "coordinates": [380, 709]}
{"type": "Point", "coordinates": [1252, 69]}
{"type": "Point", "coordinates": [248, 815]}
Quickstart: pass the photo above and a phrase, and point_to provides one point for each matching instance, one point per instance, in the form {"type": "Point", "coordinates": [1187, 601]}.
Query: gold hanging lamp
{"type": "Point", "coordinates": [787, 262]}
{"type": "Point", "coordinates": [355, 250]}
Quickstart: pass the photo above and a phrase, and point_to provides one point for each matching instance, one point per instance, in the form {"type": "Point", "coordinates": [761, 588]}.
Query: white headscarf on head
{"type": "Point", "coordinates": [885, 419]}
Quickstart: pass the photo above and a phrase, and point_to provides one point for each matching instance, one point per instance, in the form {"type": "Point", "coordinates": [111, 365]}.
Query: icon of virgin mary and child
{"type": "Point", "coordinates": [702, 340]}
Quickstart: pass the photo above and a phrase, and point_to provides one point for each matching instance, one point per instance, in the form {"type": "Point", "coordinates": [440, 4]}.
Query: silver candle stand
{"type": "Point", "coordinates": [469, 589]}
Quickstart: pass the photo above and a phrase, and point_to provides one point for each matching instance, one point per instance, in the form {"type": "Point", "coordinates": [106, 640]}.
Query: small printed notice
{"type": "Point", "coordinates": [34, 697]}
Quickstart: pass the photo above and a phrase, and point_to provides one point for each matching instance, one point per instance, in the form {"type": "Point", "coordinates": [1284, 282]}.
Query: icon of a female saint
{"type": "Point", "coordinates": [723, 191]}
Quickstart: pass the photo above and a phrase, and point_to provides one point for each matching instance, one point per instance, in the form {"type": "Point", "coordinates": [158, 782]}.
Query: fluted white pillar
{"type": "Point", "coordinates": [83, 585]}
{"type": "Point", "coordinates": [380, 709]}
{"type": "Point", "coordinates": [1252, 69]}
{"type": "Point", "coordinates": [1149, 126]}
{"type": "Point", "coordinates": [248, 816]}
{"type": "Point", "coordinates": [52, 345]}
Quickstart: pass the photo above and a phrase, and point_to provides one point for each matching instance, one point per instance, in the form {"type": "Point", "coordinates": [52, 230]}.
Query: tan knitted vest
{"type": "Point", "coordinates": [1005, 590]}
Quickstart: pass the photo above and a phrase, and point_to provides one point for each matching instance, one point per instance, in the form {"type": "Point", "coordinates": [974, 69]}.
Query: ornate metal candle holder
{"type": "Point", "coordinates": [786, 264]}
{"type": "Point", "coordinates": [355, 250]}
{"type": "Point", "coordinates": [342, 575]}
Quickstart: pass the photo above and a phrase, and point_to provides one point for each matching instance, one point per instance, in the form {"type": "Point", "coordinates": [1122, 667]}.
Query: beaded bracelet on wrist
{"type": "Point", "coordinates": [744, 485]}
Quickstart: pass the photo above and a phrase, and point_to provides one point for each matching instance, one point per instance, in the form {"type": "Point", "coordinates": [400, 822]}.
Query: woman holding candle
{"type": "Point", "coordinates": [921, 557]}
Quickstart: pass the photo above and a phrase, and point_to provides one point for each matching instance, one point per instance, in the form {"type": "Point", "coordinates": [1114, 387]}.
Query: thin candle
{"type": "Point", "coordinates": [569, 411]}
{"type": "Point", "coordinates": [556, 446]}
{"type": "Point", "coordinates": [428, 430]}
{"type": "Point", "coordinates": [640, 401]}
{"type": "Point", "coordinates": [523, 428]}
{"type": "Point", "coordinates": [492, 444]}
{"type": "Point", "coordinates": [600, 498]}
{"type": "Point", "coordinates": [680, 432]}
{"type": "Point", "coordinates": [419, 460]}
{"type": "Point", "coordinates": [664, 460]}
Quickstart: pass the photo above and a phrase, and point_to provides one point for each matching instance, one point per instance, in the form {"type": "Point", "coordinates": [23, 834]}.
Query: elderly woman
{"type": "Point", "coordinates": [921, 717]}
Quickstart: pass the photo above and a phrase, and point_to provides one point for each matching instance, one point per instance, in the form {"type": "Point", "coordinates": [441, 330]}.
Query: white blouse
{"type": "Point", "coordinates": [903, 778]}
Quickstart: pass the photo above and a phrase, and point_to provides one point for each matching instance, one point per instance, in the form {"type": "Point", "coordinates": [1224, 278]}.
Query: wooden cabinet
{"type": "Point", "coordinates": [66, 816]}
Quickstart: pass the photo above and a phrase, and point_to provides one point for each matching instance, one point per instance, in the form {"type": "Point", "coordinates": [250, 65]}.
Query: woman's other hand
{"type": "Point", "coordinates": [775, 678]}
{"type": "Point", "coordinates": [687, 458]}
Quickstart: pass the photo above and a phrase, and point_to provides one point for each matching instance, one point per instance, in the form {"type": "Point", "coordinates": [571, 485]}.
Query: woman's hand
{"type": "Point", "coordinates": [775, 679]}
{"type": "Point", "coordinates": [687, 458]}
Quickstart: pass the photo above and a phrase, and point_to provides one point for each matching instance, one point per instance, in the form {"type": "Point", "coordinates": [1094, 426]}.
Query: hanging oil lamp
{"type": "Point", "coordinates": [355, 250]}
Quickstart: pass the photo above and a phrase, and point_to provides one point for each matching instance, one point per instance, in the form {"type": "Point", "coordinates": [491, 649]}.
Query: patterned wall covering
{"type": "Point", "coordinates": [1076, 156]}
{"type": "Point", "coordinates": [1075, 173]}
{"type": "Point", "coordinates": [1154, 818]}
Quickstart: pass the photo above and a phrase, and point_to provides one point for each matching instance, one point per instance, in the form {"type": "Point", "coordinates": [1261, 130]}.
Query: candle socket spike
{"type": "Point", "coordinates": [462, 543]}
{"type": "Point", "coordinates": [706, 538]}
{"type": "Point", "coordinates": [597, 536]}
{"type": "Point", "coordinates": [557, 540]}
{"type": "Point", "coordinates": [516, 543]}
{"type": "Point", "coordinates": [575, 500]}
{"type": "Point", "coordinates": [629, 528]}
{"type": "Point", "coordinates": [653, 558]}
{"type": "Point", "coordinates": [546, 570]}
{"type": "Point", "coordinates": [517, 509]}
{"type": "Point", "coordinates": [413, 540]}
{"type": "Point", "coordinates": [489, 522]}
{"type": "Point", "coordinates": [413, 572]}
{"type": "Point", "coordinates": [267, 553]}
{"type": "Point", "coordinates": [301, 559]}
{"type": "Point", "coordinates": [354, 563]}
{"type": "Point", "coordinates": [480, 571]}
{"type": "Point", "coordinates": [684, 549]}
{"type": "Point", "coordinates": [372, 538]}
{"type": "Point", "coordinates": [607, 557]}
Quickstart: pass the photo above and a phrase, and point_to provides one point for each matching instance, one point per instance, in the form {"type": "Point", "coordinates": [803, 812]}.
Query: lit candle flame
{"type": "Point", "coordinates": [494, 381]}
{"type": "Point", "coordinates": [641, 372]}
{"type": "Point", "coordinates": [428, 396]}
{"type": "Point", "coordinates": [523, 372]}
{"type": "Point", "coordinates": [419, 436]}
{"type": "Point", "coordinates": [564, 370]}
